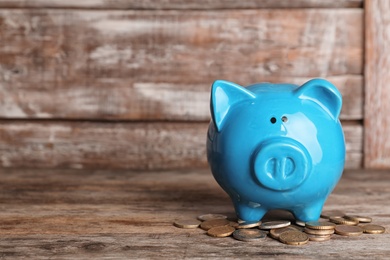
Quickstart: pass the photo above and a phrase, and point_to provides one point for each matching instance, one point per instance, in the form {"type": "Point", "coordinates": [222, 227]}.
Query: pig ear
{"type": "Point", "coordinates": [224, 95]}
{"type": "Point", "coordinates": [324, 94]}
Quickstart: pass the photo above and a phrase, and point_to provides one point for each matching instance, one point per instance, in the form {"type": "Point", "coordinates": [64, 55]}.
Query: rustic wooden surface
{"type": "Point", "coordinates": [377, 79]}
{"type": "Point", "coordinates": [158, 65]}
{"type": "Point", "coordinates": [180, 4]}
{"type": "Point", "coordinates": [74, 214]}
{"type": "Point", "coordinates": [121, 145]}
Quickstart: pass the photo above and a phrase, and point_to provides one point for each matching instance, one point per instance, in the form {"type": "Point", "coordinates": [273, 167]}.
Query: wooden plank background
{"type": "Point", "coordinates": [151, 70]}
{"type": "Point", "coordinates": [180, 4]}
{"type": "Point", "coordinates": [120, 145]}
{"type": "Point", "coordinates": [377, 139]}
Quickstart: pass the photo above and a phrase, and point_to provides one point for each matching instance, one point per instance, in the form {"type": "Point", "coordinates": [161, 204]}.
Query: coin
{"type": "Point", "coordinates": [206, 225]}
{"type": "Point", "coordinates": [300, 223]}
{"type": "Point", "coordinates": [249, 235]}
{"type": "Point", "coordinates": [346, 230]}
{"type": "Point", "coordinates": [186, 223]}
{"type": "Point", "coordinates": [223, 231]}
{"type": "Point", "coordinates": [352, 219]}
{"type": "Point", "coordinates": [373, 229]}
{"type": "Point", "coordinates": [319, 238]}
{"type": "Point", "coordinates": [278, 214]}
{"type": "Point", "coordinates": [274, 224]}
{"type": "Point", "coordinates": [275, 233]}
{"type": "Point", "coordinates": [293, 238]}
{"type": "Point", "coordinates": [361, 219]}
{"type": "Point", "coordinates": [318, 231]}
{"type": "Point", "coordinates": [234, 224]}
{"type": "Point", "coordinates": [211, 216]}
{"type": "Point", "coordinates": [248, 224]}
{"type": "Point", "coordinates": [332, 213]}
{"type": "Point", "coordinates": [320, 225]}
{"type": "Point", "coordinates": [344, 221]}
{"type": "Point", "coordinates": [239, 221]}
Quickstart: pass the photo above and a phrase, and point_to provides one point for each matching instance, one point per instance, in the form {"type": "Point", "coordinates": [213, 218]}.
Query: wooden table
{"type": "Point", "coordinates": [120, 214]}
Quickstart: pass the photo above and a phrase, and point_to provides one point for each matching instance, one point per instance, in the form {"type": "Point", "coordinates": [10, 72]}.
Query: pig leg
{"type": "Point", "coordinates": [311, 212]}
{"type": "Point", "coordinates": [248, 212]}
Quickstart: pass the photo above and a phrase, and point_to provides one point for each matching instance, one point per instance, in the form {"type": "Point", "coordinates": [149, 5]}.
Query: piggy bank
{"type": "Point", "coordinates": [276, 146]}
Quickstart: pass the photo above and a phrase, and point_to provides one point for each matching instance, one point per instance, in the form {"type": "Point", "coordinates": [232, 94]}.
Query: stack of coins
{"type": "Point", "coordinates": [283, 231]}
{"type": "Point", "coordinates": [218, 225]}
{"type": "Point", "coordinates": [319, 230]}
{"type": "Point", "coordinates": [352, 225]}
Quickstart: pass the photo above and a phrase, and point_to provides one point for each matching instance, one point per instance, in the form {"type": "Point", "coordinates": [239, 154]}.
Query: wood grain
{"type": "Point", "coordinates": [158, 65]}
{"type": "Point", "coordinates": [143, 101]}
{"type": "Point", "coordinates": [377, 91]}
{"type": "Point", "coordinates": [79, 214]}
{"type": "Point", "coordinates": [120, 145]}
{"type": "Point", "coordinates": [180, 4]}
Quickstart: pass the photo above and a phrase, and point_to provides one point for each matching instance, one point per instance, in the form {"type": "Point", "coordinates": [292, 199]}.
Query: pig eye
{"type": "Point", "coordinates": [273, 120]}
{"type": "Point", "coordinates": [284, 119]}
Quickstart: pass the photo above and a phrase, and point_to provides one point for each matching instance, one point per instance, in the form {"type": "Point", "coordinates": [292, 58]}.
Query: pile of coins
{"type": "Point", "coordinates": [337, 222]}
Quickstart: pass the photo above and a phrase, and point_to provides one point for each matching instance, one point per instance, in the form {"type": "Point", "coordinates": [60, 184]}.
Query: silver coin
{"type": "Point", "coordinates": [249, 235]}
{"type": "Point", "coordinates": [275, 224]}
{"type": "Point", "coordinates": [248, 224]}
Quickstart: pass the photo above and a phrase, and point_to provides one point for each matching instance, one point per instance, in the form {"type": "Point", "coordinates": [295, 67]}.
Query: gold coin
{"type": "Point", "coordinates": [293, 238]}
{"type": "Point", "coordinates": [319, 238]}
{"type": "Point", "coordinates": [274, 224]}
{"type": "Point", "coordinates": [318, 231]}
{"type": "Point", "coordinates": [299, 228]}
{"type": "Point", "coordinates": [234, 224]}
{"type": "Point", "coordinates": [346, 230]}
{"type": "Point", "coordinates": [211, 216]}
{"type": "Point", "coordinates": [373, 229]}
{"type": "Point", "coordinates": [344, 221]}
{"type": "Point", "coordinates": [332, 213]}
{"type": "Point", "coordinates": [320, 225]}
{"type": "Point", "coordinates": [248, 224]}
{"type": "Point", "coordinates": [352, 219]}
{"type": "Point", "coordinates": [361, 219]}
{"type": "Point", "coordinates": [249, 235]}
{"type": "Point", "coordinates": [206, 225]}
{"type": "Point", "coordinates": [278, 214]}
{"type": "Point", "coordinates": [275, 233]}
{"type": "Point", "coordinates": [186, 223]}
{"type": "Point", "coordinates": [223, 231]}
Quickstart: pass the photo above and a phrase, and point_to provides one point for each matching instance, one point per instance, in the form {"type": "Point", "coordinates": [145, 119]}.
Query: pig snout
{"type": "Point", "coordinates": [281, 163]}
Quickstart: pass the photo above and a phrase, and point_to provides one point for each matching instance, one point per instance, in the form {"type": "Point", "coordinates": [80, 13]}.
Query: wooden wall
{"type": "Point", "coordinates": [125, 84]}
{"type": "Point", "coordinates": [377, 80]}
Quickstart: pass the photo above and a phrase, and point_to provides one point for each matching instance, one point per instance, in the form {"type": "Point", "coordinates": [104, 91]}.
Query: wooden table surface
{"type": "Point", "coordinates": [72, 214]}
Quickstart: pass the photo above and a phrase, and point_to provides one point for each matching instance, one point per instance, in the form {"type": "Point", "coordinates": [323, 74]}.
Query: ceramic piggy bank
{"type": "Point", "coordinates": [276, 146]}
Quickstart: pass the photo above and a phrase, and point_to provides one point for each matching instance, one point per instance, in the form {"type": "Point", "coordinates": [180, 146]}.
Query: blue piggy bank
{"type": "Point", "coordinates": [276, 146]}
